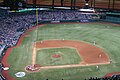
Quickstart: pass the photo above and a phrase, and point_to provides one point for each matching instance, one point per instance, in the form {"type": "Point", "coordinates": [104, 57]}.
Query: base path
{"type": "Point", "coordinates": [90, 54]}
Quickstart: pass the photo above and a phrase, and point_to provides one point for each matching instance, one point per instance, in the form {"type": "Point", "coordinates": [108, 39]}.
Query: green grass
{"type": "Point", "coordinates": [107, 37]}
{"type": "Point", "coordinates": [68, 56]}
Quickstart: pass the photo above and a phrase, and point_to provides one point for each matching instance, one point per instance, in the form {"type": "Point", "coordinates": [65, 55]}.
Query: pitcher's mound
{"type": "Point", "coordinates": [56, 56]}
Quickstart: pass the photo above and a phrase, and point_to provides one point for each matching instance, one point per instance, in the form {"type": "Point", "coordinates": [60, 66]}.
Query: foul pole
{"type": "Point", "coordinates": [34, 45]}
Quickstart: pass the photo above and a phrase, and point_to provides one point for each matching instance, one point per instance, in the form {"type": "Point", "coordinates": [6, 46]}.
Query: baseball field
{"type": "Point", "coordinates": [68, 51]}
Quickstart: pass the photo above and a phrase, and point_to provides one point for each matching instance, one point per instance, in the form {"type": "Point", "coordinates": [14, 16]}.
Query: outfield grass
{"type": "Point", "coordinates": [105, 35]}
{"type": "Point", "coordinates": [68, 56]}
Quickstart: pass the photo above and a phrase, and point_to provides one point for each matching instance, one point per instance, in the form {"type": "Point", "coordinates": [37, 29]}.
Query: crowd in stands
{"type": "Point", "coordinates": [13, 25]}
{"type": "Point", "coordinates": [11, 22]}
{"type": "Point", "coordinates": [113, 77]}
{"type": "Point", "coordinates": [64, 15]}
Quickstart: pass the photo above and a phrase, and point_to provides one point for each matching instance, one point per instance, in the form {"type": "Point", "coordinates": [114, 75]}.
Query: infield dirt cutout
{"type": "Point", "coordinates": [90, 54]}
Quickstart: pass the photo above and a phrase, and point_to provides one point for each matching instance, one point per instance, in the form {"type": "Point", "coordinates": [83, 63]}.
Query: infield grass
{"type": "Point", "coordinates": [67, 56]}
{"type": "Point", "coordinates": [107, 37]}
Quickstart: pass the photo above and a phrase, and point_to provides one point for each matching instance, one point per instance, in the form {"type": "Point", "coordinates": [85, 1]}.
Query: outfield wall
{"type": "Point", "coordinates": [65, 21]}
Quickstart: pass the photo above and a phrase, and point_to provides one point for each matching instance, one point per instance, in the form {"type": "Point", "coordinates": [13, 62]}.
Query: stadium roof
{"type": "Point", "coordinates": [112, 4]}
{"type": "Point", "coordinates": [107, 4]}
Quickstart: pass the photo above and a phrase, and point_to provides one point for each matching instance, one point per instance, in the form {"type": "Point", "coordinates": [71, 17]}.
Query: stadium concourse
{"type": "Point", "coordinates": [13, 25]}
